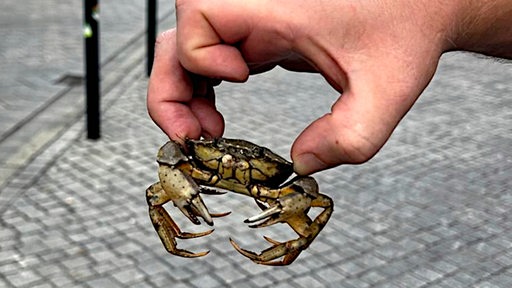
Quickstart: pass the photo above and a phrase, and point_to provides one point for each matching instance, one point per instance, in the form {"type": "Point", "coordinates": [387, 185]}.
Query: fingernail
{"type": "Point", "coordinates": [307, 163]}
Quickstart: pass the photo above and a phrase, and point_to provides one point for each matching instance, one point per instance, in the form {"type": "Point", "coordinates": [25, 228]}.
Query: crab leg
{"type": "Point", "coordinates": [166, 227]}
{"type": "Point", "coordinates": [286, 204]}
{"type": "Point", "coordinates": [291, 208]}
{"type": "Point", "coordinates": [168, 230]}
{"type": "Point", "coordinates": [290, 249]}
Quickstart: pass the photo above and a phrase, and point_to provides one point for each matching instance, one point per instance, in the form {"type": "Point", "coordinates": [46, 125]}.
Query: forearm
{"type": "Point", "coordinates": [485, 26]}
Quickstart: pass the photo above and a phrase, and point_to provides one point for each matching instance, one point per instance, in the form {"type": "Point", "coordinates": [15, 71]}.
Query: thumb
{"type": "Point", "coordinates": [361, 120]}
{"type": "Point", "coordinates": [351, 133]}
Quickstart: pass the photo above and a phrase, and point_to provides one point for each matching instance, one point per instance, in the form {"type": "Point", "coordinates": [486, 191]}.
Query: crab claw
{"type": "Point", "coordinates": [260, 204]}
{"type": "Point", "coordinates": [290, 250]}
{"type": "Point", "coordinates": [211, 191]}
{"type": "Point", "coordinates": [183, 191]}
{"type": "Point", "coordinates": [269, 213]}
{"type": "Point", "coordinates": [284, 209]}
{"type": "Point", "coordinates": [218, 215]}
{"type": "Point", "coordinates": [168, 230]}
{"type": "Point", "coordinates": [196, 208]}
{"type": "Point", "coordinates": [289, 204]}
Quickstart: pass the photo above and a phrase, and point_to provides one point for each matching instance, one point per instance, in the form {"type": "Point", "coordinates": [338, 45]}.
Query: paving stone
{"type": "Point", "coordinates": [10, 267]}
{"type": "Point", "coordinates": [151, 267]}
{"type": "Point", "coordinates": [49, 269]}
{"type": "Point", "coordinates": [443, 266]}
{"type": "Point", "coordinates": [427, 274]}
{"type": "Point", "coordinates": [368, 260]}
{"type": "Point", "coordinates": [76, 262]}
{"type": "Point", "coordinates": [391, 250]}
{"type": "Point", "coordinates": [502, 280]}
{"type": "Point", "coordinates": [83, 273]}
{"type": "Point", "coordinates": [351, 268]}
{"type": "Point", "coordinates": [465, 278]}
{"type": "Point", "coordinates": [373, 277]}
{"type": "Point", "coordinates": [23, 278]}
{"type": "Point", "coordinates": [205, 280]}
{"type": "Point", "coordinates": [261, 281]}
{"type": "Point", "coordinates": [105, 267]}
{"type": "Point", "coordinates": [486, 284]}
{"type": "Point", "coordinates": [42, 285]}
{"type": "Point", "coordinates": [451, 282]}
{"type": "Point", "coordinates": [103, 282]}
{"type": "Point", "coordinates": [284, 285]}
{"type": "Point", "coordinates": [180, 273]}
{"type": "Point", "coordinates": [394, 268]}
{"type": "Point", "coordinates": [408, 280]}
{"type": "Point", "coordinates": [128, 276]}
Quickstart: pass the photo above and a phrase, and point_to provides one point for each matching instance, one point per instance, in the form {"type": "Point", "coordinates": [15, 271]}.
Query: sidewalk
{"type": "Point", "coordinates": [42, 68]}
{"type": "Point", "coordinates": [432, 209]}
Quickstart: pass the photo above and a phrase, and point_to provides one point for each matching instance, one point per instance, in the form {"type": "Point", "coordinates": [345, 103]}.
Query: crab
{"type": "Point", "coordinates": [205, 166]}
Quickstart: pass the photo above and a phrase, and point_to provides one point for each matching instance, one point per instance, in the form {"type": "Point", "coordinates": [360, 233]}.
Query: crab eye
{"type": "Point", "coordinates": [257, 151]}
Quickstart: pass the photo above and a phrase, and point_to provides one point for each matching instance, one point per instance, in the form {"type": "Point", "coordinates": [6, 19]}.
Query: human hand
{"type": "Point", "coordinates": [379, 55]}
{"type": "Point", "coordinates": [181, 104]}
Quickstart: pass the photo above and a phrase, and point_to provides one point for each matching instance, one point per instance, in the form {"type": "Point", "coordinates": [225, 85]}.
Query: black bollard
{"type": "Point", "coordinates": [151, 33]}
{"type": "Point", "coordinates": [92, 67]}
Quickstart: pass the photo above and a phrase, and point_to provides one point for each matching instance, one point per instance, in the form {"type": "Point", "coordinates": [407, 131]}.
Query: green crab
{"type": "Point", "coordinates": [200, 166]}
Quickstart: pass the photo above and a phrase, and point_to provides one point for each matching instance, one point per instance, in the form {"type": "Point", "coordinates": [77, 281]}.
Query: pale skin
{"type": "Point", "coordinates": [379, 55]}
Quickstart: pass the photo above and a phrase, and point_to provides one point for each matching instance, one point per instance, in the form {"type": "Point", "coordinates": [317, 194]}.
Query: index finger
{"type": "Point", "coordinates": [169, 89]}
{"type": "Point", "coordinates": [204, 50]}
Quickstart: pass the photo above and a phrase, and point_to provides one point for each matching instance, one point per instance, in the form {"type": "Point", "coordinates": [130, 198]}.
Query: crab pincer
{"type": "Point", "coordinates": [289, 204]}
{"type": "Point", "coordinates": [177, 187]}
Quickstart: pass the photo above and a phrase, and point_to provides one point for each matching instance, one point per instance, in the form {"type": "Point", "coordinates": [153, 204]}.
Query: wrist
{"type": "Point", "coordinates": [484, 26]}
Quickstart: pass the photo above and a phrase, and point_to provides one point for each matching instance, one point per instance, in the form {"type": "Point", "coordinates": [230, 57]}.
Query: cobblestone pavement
{"type": "Point", "coordinates": [42, 67]}
{"type": "Point", "coordinates": [42, 43]}
{"type": "Point", "coordinates": [432, 209]}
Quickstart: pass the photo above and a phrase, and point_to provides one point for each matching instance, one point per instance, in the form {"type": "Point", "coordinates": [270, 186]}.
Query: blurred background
{"type": "Point", "coordinates": [432, 209]}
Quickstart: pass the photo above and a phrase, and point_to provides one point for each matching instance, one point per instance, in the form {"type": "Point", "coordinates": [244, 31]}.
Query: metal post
{"type": "Point", "coordinates": [151, 30]}
{"type": "Point", "coordinates": [92, 67]}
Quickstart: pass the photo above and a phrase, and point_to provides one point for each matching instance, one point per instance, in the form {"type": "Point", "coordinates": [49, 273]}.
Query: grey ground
{"type": "Point", "coordinates": [432, 209]}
